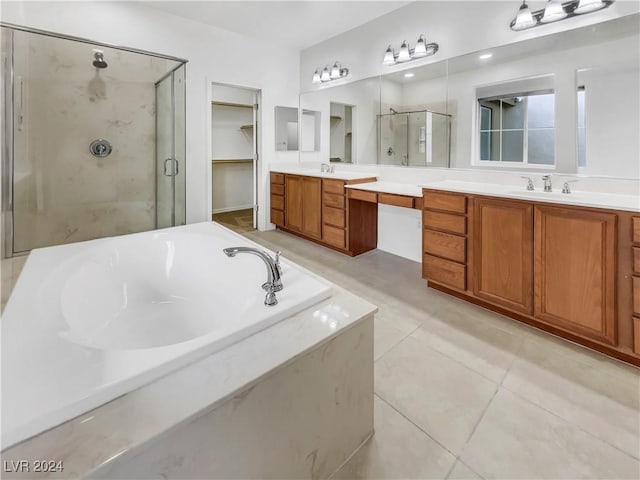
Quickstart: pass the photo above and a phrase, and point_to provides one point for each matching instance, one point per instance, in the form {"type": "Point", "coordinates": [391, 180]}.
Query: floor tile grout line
{"type": "Point", "coordinates": [482, 415]}
{"type": "Point", "coordinates": [395, 344]}
{"type": "Point", "coordinates": [413, 423]}
{"type": "Point", "coordinates": [575, 424]}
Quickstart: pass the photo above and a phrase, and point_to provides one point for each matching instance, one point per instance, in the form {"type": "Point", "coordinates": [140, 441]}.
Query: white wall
{"type": "Point", "coordinates": [214, 55]}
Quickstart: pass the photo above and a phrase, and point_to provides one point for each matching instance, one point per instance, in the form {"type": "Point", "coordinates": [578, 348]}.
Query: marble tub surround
{"type": "Point", "coordinates": [395, 188]}
{"type": "Point", "coordinates": [576, 197]}
{"type": "Point", "coordinates": [128, 425]}
{"type": "Point", "coordinates": [302, 421]}
{"type": "Point", "coordinates": [312, 172]}
{"type": "Point", "coordinates": [531, 405]}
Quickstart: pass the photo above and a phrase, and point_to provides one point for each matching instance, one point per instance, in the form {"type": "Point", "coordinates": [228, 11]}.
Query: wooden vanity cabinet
{"type": "Point", "coordinates": [303, 205]}
{"type": "Point", "coordinates": [503, 252]}
{"type": "Point", "coordinates": [575, 260]}
{"type": "Point", "coordinates": [318, 209]}
{"type": "Point", "coordinates": [572, 271]}
{"type": "Point", "coordinates": [277, 199]}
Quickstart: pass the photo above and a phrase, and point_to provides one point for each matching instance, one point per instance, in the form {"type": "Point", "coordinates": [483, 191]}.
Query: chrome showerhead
{"type": "Point", "coordinates": [99, 61]}
{"type": "Point", "coordinates": [392, 110]}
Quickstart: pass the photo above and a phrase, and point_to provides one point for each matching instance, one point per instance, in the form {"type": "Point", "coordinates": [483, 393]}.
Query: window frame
{"type": "Point", "coordinates": [525, 131]}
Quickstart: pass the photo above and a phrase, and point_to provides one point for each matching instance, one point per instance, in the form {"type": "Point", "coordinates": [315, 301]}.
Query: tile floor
{"type": "Point", "coordinates": [463, 393]}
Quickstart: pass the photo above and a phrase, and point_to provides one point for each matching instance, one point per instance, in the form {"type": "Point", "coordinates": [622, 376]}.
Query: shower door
{"type": "Point", "coordinates": [170, 150]}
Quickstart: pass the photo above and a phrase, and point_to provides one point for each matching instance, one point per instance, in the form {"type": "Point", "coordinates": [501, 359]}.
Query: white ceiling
{"type": "Point", "coordinates": [295, 24]}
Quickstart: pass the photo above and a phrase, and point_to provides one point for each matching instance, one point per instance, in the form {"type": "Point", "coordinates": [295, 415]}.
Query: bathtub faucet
{"type": "Point", "coordinates": [274, 272]}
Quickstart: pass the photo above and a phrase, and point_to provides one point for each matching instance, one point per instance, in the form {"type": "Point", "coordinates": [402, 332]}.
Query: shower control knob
{"type": "Point", "coordinates": [100, 148]}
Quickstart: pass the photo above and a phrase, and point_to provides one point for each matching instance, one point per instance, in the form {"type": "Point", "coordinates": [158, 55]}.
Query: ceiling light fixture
{"type": "Point", "coordinates": [409, 75]}
{"type": "Point", "coordinates": [554, 11]}
{"type": "Point", "coordinates": [486, 56]}
{"type": "Point", "coordinates": [326, 74]}
{"type": "Point", "coordinates": [406, 53]}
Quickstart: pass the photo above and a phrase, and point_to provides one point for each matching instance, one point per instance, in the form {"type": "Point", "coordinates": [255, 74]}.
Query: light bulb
{"type": "Point", "coordinates": [553, 12]}
{"type": "Point", "coordinates": [404, 55]}
{"type": "Point", "coordinates": [421, 48]}
{"type": "Point", "coordinates": [388, 57]}
{"type": "Point", "coordinates": [524, 19]}
{"type": "Point", "coordinates": [326, 76]}
{"type": "Point", "coordinates": [335, 71]}
{"type": "Point", "coordinates": [587, 6]}
{"type": "Point", "coordinates": [316, 76]}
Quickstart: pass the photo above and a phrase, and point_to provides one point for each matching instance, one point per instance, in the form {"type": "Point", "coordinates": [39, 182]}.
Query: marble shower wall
{"type": "Point", "coordinates": [62, 193]}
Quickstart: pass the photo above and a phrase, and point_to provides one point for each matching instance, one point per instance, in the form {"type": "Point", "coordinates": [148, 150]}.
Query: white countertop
{"type": "Point", "coordinates": [579, 198]}
{"type": "Point", "coordinates": [395, 188]}
{"type": "Point", "coordinates": [312, 172]}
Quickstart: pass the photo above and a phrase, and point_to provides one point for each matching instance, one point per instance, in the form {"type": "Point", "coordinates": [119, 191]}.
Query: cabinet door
{"type": "Point", "coordinates": [575, 271]}
{"type": "Point", "coordinates": [312, 206]}
{"type": "Point", "coordinates": [503, 253]}
{"type": "Point", "coordinates": [293, 202]}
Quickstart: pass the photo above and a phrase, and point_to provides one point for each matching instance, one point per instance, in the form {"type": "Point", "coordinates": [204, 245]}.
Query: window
{"type": "Point", "coordinates": [518, 128]}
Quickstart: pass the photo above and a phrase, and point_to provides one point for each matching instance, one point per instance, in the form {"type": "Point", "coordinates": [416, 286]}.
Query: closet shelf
{"type": "Point", "coordinates": [228, 104]}
{"type": "Point", "coordinates": [246, 127]}
{"type": "Point", "coordinates": [232, 160]}
{"type": "Point", "coordinates": [335, 117]}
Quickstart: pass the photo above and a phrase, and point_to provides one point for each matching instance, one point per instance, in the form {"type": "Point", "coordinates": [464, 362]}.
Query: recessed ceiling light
{"type": "Point", "coordinates": [409, 75]}
{"type": "Point", "coordinates": [484, 56]}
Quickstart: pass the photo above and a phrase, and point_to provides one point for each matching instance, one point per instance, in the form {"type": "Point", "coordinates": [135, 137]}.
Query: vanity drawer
{"type": "Point", "coordinates": [277, 189]}
{"type": "Point", "coordinates": [333, 216]}
{"type": "Point", "coordinates": [447, 202]}
{"type": "Point", "coordinates": [444, 271]}
{"type": "Point", "coordinates": [333, 236]}
{"type": "Point", "coordinates": [636, 335]}
{"type": "Point", "coordinates": [445, 222]}
{"type": "Point", "coordinates": [333, 186]}
{"type": "Point", "coordinates": [636, 259]}
{"type": "Point", "coordinates": [636, 295]}
{"type": "Point", "coordinates": [396, 200]}
{"type": "Point", "coordinates": [277, 202]}
{"type": "Point", "coordinates": [333, 200]}
{"type": "Point", "coordinates": [445, 245]}
{"type": "Point", "coordinates": [277, 217]}
{"type": "Point", "coordinates": [277, 178]}
{"type": "Point", "coordinates": [363, 195]}
{"type": "Point", "coordinates": [635, 228]}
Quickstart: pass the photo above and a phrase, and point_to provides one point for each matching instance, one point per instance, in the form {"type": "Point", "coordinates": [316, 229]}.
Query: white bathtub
{"type": "Point", "coordinates": [90, 321]}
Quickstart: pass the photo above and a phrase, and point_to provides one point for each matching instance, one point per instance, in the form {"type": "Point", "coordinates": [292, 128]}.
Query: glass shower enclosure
{"type": "Point", "coordinates": [418, 138]}
{"type": "Point", "coordinates": [93, 140]}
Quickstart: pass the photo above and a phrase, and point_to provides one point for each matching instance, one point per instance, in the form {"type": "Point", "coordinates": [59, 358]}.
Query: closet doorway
{"type": "Point", "coordinates": [234, 156]}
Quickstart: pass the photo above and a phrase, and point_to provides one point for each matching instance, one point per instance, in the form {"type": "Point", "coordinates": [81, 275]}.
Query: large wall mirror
{"type": "Point", "coordinates": [567, 103]}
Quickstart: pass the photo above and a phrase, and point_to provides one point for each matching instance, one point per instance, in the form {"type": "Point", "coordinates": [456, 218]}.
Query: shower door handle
{"type": "Point", "coordinates": [174, 167]}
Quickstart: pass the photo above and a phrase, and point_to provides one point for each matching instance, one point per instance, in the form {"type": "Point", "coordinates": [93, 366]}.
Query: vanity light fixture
{"type": "Point", "coordinates": [326, 74]}
{"type": "Point", "coordinates": [555, 10]}
{"type": "Point", "coordinates": [406, 53]}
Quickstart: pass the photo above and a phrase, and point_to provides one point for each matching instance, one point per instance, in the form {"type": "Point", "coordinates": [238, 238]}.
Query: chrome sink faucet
{"type": "Point", "coordinates": [325, 167]}
{"type": "Point", "coordinates": [547, 183]}
{"type": "Point", "coordinates": [529, 183]}
{"type": "Point", "coordinates": [274, 271]}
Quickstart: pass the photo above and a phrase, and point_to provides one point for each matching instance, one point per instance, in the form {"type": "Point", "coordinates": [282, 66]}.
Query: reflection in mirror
{"type": "Point", "coordinates": [310, 131]}
{"type": "Point", "coordinates": [413, 126]}
{"type": "Point", "coordinates": [608, 115]}
{"type": "Point", "coordinates": [286, 128]}
{"type": "Point", "coordinates": [517, 122]}
{"type": "Point", "coordinates": [341, 126]}
{"type": "Point", "coordinates": [353, 137]}
{"type": "Point", "coordinates": [414, 139]}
